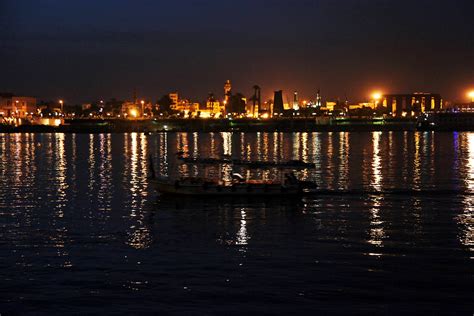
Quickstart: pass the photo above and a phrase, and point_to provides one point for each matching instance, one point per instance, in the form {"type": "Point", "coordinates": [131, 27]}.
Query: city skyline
{"type": "Point", "coordinates": [81, 51]}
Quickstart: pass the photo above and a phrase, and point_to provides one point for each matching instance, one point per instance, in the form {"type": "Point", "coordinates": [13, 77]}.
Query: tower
{"type": "Point", "coordinates": [318, 99]}
{"type": "Point", "coordinates": [278, 103]}
{"type": "Point", "coordinates": [227, 95]}
{"type": "Point", "coordinates": [296, 105]}
{"type": "Point", "coordinates": [227, 90]}
{"type": "Point", "coordinates": [257, 101]}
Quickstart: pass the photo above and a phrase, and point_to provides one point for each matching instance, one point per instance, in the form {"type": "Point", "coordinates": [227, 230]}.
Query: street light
{"type": "Point", "coordinates": [470, 94]}
{"type": "Point", "coordinates": [376, 96]}
{"type": "Point", "coordinates": [143, 107]}
{"type": "Point", "coordinates": [61, 102]}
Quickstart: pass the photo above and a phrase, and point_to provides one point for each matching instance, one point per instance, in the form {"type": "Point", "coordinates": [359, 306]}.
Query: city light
{"type": "Point", "coordinates": [133, 112]}
{"type": "Point", "coordinates": [377, 96]}
{"type": "Point", "coordinates": [470, 95]}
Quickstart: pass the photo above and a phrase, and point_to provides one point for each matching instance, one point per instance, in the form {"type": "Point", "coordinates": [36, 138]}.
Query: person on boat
{"type": "Point", "coordinates": [290, 178]}
{"type": "Point", "coordinates": [237, 178]}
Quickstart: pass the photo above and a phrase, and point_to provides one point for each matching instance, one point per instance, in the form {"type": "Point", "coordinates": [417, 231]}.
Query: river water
{"type": "Point", "coordinates": [83, 231]}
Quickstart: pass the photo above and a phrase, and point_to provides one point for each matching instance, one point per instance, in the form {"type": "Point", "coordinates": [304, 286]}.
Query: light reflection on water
{"type": "Point", "coordinates": [84, 203]}
{"type": "Point", "coordinates": [466, 218]}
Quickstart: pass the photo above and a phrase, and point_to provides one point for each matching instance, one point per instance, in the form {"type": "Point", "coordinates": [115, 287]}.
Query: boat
{"type": "Point", "coordinates": [296, 164]}
{"type": "Point", "coordinates": [193, 186]}
{"type": "Point", "coordinates": [453, 120]}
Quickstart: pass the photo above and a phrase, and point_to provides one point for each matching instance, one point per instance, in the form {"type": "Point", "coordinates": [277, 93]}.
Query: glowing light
{"type": "Point", "coordinates": [133, 112]}
{"type": "Point", "coordinates": [470, 94]}
{"type": "Point", "coordinates": [377, 96]}
{"type": "Point", "coordinates": [205, 115]}
{"type": "Point", "coordinates": [264, 115]}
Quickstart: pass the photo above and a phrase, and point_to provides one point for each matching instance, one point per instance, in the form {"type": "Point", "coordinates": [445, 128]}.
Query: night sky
{"type": "Point", "coordinates": [85, 50]}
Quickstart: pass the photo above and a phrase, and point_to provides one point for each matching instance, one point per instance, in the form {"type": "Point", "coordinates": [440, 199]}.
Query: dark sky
{"type": "Point", "coordinates": [84, 50]}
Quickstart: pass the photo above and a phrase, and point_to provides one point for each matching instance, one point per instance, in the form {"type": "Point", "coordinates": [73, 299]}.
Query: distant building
{"type": "Point", "coordinates": [411, 104]}
{"type": "Point", "coordinates": [278, 107]}
{"type": "Point", "coordinates": [330, 106]}
{"type": "Point", "coordinates": [186, 106]}
{"type": "Point", "coordinates": [17, 106]}
{"type": "Point", "coordinates": [86, 106]}
{"type": "Point", "coordinates": [131, 109]}
{"type": "Point", "coordinates": [213, 107]}
{"type": "Point", "coordinates": [227, 90]}
{"type": "Point", "coordinates": [237, 104]}
{"type": "Point", "coordinates": [175, 99]}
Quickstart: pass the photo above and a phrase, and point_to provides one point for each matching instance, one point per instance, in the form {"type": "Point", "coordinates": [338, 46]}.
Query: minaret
{"type": "Point", "coordinates": [318, 99]}
{"type": "Point", "coordinates": [296, 105]}
{"type": "Point", "coordinates": [227, 90]}
{"type": "Point", "coordinates": [227, 95]}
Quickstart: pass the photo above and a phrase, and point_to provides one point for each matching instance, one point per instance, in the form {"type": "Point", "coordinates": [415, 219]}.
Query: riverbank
{"type": "Point", "coordinates": [216, 125]}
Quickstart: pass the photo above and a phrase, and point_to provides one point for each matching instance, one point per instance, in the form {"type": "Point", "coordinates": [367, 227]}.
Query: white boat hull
{"type": "Point", "coordinates": [227, 190]}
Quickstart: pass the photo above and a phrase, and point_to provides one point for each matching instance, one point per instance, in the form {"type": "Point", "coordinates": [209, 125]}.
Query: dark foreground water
{"type": "Point", "coordinates": [82, 230]}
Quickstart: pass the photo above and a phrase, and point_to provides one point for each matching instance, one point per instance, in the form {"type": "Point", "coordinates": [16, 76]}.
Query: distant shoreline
{"type": "Point", "coordinates": [216, 125]}
{"type": "Point", "coordinates": [219, 125]}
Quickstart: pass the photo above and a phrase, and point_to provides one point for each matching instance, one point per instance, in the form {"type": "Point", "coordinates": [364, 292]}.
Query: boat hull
{"type": "Point", "coordinates": [227, 190]}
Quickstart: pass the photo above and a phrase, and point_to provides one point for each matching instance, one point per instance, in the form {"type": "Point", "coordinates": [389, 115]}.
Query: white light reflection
{"type": "Point", "coordinates": [343, 160]}
{"type": "Point", "coordinates": [194, 167]}
{"type": "Point", "coordinates": [60, 237]}
{"type": "Point", "coordinates": [376, 162]}
{"type": "Point", "coordinates": [213, 144]}
{"type": "Point", "coordinates": [266, 146]}
{"type": "Point", "coordinates": [276, 147]}
{"type": "Point", "coordinates": [296, 138]}
{"type": "Point", "coordinates": [242, 235]}
{"type": "Point", "coordinates": [377, 232]}
{"type": "Point", "coordinates": [259, 146]}
{"type": "Point", "coordinates": [227, 143]}
{"type": "Point", "coordinates": [139, 235]}
{"type": "Point", "coordinates": [91, 162]}
{"type": "Point", "coordinates": [61, 167]}
{"type": "Point", "coordinates": [105, 185]}
{"type": "Point", "coordinates": [466, 218]}
{"type": "Point", "coordinates": [417, 163]}
{"type": "Point", "coordinates": [163, 152]}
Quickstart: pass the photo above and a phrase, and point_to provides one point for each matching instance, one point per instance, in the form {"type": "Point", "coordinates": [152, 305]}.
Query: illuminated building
{"type": "Point", "coordinates": [17, 106]}
{"type": "Point", "coordinates": [256, 102]}
{"type": "Point", "coordinates": [406, 104]}
{"type": "Point", "coordinates": [131, 110]}
{"type": "Point", "coordinates": [213, 106]}
{"type": "Point", "coordinates": [175, 99]}
{"type": "Point", "coordinates": [186, 106]}
{"type": "Point", "coordinates": [330, 105]}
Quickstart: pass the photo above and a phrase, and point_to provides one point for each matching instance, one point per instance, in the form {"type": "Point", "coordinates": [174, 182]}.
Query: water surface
{"type": "Point", "coordinates": [82, 230]}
